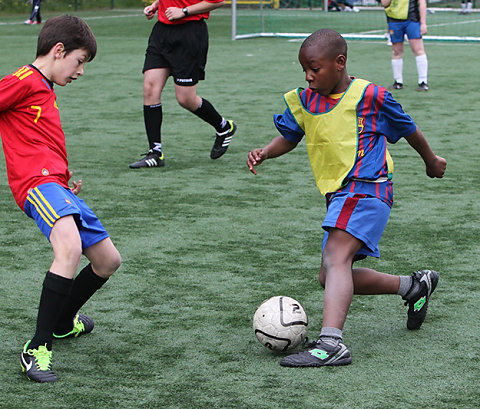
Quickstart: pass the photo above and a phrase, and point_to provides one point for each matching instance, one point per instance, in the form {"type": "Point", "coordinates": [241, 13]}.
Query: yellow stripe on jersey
{"type": "Point", "coordinates": [23, 72]}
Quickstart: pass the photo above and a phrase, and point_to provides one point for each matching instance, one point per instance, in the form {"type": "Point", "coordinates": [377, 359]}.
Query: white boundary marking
{"type": "Point", "coordinates": [84, 18]}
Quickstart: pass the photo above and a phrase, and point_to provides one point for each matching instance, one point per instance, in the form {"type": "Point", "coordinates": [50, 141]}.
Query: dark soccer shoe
{"type": "Point", "coordinates": [222, 141]}
{"type": "Point", "coordinates": [152, 159]}
{"type": "Point", "coordinates": [37, 363]}
{"type": "Point", "coordinates": [319, 353]}
{"type": "Point", "coordinates": [395, 85]}
{"type": "Point", "coordinates": [82, 324]}
{"type": "Point", "coordinates": [422, 86]}
{"type": "Point", "coordinates": [417, 297]}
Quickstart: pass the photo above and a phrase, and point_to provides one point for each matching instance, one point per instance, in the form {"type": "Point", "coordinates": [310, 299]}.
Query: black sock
{"type": "Point", "coordinates": [55, 291]}
{"type": "Point", "coordinates": [152, 116]}
{"type": "Point", "coordinates": [84, 286]}
{"type": "Point", "coordinates": [209, 114]}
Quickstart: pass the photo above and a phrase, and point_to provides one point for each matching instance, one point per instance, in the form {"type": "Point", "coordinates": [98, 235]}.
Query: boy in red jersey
{"type": "Point", "coordinates": [347, 123]}
{"type": "Point", "coordinates": [178, 46]}
{"type": "Point", "coordinates": [38, 175]}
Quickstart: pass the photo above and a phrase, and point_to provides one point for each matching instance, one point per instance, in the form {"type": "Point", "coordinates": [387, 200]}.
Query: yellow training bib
{"type": "Point", "coordinates": [398, 9]}
{"type": "Point", "coordinates": [332, 136]}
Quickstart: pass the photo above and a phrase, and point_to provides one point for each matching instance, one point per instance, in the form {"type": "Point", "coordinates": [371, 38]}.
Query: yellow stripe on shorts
{"type": "Point", "coordinates": [43, 206]}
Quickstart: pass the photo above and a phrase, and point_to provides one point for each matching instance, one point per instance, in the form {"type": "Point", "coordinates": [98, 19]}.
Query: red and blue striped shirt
{"type": "Point", "coordinates": [380, 119]}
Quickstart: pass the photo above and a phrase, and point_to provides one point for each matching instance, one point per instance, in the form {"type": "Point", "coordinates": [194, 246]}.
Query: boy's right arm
{"type": "Point", "coordinates": [277, 147]}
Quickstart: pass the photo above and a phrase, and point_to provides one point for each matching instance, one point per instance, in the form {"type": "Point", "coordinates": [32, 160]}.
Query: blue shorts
{"type": "Point", "coordinates": [49, 202]}
{"type": "Point", "coordinates": [364, 217]}
{"type": "Point", "coordinates": [398, 29]}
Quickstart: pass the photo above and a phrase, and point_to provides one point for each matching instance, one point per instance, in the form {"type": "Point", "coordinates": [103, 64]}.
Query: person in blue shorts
{"type": "Point", "coordinates": [407, 17]}
{"type": "Point", "coordinates": [38, 174]}
{"type": "Point", "coordinates": [347, 123]}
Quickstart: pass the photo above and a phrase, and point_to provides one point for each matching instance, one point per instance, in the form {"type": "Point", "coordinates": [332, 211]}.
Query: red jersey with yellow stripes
{"type": "Point", "coordinates": [30, 128]}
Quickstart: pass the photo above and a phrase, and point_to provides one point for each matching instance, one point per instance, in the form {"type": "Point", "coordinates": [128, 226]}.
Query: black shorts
{"type": "Point", "coordinates": [182, 48]}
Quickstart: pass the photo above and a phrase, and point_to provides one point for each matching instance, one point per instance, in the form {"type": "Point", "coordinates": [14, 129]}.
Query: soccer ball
{"type": "Point", "coordinates": [280, 323]}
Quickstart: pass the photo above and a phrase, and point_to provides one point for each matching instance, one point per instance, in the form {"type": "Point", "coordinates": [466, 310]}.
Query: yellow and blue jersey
{"type": "Point", "coordinates": [379, 118]}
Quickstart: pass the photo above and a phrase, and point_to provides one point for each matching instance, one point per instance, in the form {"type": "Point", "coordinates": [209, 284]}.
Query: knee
{"type": "Point", "coordinates": [113, 263]}
{"type": "Point", "coordinates": [187, 102]}
{"type": "Point", "coordinates": [396, 54]}
{"type": "Point", "coordinates": [151, 92]}
{"type": "Point", "coordinates": [70, 253]}
{"type": "Point", "coordinates": [73, 255]}
{"type": "Point", "coordinates": [109, 265]}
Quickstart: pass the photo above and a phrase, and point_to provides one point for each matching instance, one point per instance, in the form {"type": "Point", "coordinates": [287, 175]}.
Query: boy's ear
{"type": "Point", "coordinates": [58, 50]}
{"type": "Point", "coordinates": [341, 62]}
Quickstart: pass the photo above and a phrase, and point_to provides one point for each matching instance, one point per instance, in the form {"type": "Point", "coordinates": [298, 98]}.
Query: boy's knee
{"type": "Point", "coordinates": [70, 254]}
{"type": "Point", "coordinates": [109, 265]}
{"type": "Point", "coordinates": [114, 263]}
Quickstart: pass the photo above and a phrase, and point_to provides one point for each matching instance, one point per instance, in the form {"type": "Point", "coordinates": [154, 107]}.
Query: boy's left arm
{"type": "Point", "coordinates": [435, 165]}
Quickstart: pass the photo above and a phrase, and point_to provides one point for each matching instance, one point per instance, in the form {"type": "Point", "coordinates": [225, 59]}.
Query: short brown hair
{"type": "Point", "coordinates": [72, 31]}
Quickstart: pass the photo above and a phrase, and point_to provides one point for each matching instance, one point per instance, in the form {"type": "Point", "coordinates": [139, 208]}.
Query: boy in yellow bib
{"type": "Point", "coordinates": [347, 122]}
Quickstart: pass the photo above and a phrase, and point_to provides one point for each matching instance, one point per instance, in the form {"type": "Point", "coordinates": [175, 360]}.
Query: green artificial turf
{"type": "Point", "coordinates": [205, 242]}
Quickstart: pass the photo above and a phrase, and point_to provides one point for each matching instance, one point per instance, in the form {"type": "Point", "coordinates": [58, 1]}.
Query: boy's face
{"type": "Point", "coordinates": [68, 67]}
{"type": "Point", "coordinates": [322, 73]}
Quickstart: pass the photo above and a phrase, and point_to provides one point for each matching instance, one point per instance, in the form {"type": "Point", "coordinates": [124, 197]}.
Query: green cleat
{"type": "Point", "coordinates": [37, 363]}
{"type": "Point", "coordinates": [82, 324]}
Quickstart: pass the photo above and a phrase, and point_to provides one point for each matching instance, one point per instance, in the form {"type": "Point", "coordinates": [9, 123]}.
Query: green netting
{"type": "Point", "coordinates": [366, 20]}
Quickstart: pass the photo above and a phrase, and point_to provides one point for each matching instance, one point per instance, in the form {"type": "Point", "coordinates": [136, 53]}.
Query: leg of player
{"type": "Point", "coordinates": [336, 275]}
{"type": "Point", "coordinates": [416, 44]}
{"type": "Point", "coordinates": [397, 65]}
{"type": "Point", "coordinates": [104, 261]}
{"type": "Point", "coordinates": [153, 83]}
{"type": "Point", "coordinates": [367, 281]}
{"type": "Point", "coordinates": [337, 260]}
{"type": "Point", "coordinates": [415, 289]}
{"type": "Point", "coordinates": [224, 129]}
{"type": "Point", "coordinates": [36, 357]}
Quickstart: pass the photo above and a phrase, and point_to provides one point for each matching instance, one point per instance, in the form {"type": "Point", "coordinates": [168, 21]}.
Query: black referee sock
{"type": "Point", "coordinates": [209, 114]}
{"type": "Point", "coordinates": [54, 294]}
{"type": "Point", "coordinates": [84, 286]}
{"type": "Point", "coordinates": [153, 116]}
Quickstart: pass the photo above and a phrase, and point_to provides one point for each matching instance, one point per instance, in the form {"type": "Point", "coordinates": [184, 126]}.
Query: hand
{"type": "Point", "coordinates": [436, 168]}
{"type": "Point", "coordinates": [255, 157]}
{"type": "Point", "coordinates": [76, 186]}
{"type": "Point", "coordinates": [149, 11]}
{"type": "Point", "coordinates": [174, 13]}
{"type": "Point", "coordinates": [423, 29]}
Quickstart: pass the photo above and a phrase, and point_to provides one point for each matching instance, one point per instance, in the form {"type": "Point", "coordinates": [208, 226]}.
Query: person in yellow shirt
{"type": "Point", "coordinates": [407, 17]}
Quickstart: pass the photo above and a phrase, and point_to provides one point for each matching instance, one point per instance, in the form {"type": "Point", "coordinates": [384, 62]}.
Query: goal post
{"type": "Point", "coordinates": [364, 20]}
